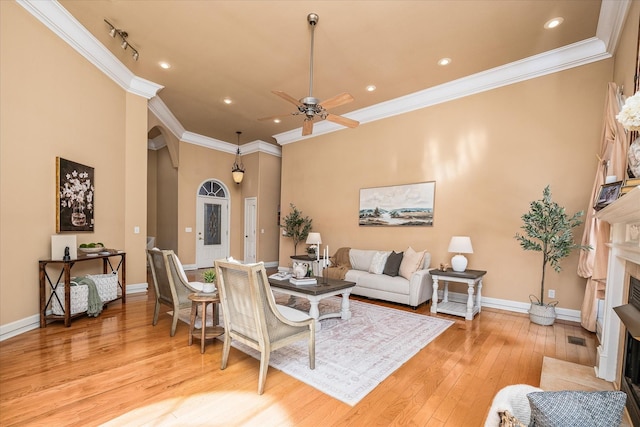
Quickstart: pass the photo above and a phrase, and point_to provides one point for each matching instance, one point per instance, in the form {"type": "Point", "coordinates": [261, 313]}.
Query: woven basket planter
{"type": "Point", "coordinates": [542, 314]}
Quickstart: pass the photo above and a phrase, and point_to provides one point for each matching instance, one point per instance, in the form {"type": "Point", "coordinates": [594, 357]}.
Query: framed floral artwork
{"type": "Point", "coordinates": [398, 205]}
{"type": "Point", "coordinates": [75, 196]}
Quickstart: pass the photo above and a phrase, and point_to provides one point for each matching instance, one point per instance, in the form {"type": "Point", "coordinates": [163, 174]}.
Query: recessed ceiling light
{"type": "Point", "coordinates": [444, 61]}
{"type": "Point", "coordinates": [165, 65]}
{"type": "Point", "coordinates": [227, 101]}
{"type": "Point", "coordinates": [553, 23]}
{"type": "Point", "coordinates": [276, 120]}
{"type": "Point", "coordinates": [371, 88]}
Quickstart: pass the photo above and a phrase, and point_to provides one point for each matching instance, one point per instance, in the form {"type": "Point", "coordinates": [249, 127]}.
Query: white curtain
{"type": "Point", "coordinates": [612, 160]}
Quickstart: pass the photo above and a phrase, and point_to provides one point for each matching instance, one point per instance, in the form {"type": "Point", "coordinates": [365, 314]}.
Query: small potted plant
{"type": "Point", "coordinates": [209, 277]}
{"type": "Point", "coordinates": [548, 229]}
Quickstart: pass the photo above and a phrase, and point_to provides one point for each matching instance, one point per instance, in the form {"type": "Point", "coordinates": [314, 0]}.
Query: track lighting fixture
{"type": "Point", "coordinates": [125, 43]}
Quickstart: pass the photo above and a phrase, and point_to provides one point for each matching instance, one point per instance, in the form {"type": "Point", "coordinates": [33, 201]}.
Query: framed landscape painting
{"type": "Point", "coordinates": [398, 205]}
{"type": "Point", "coordinates": [74, 196]}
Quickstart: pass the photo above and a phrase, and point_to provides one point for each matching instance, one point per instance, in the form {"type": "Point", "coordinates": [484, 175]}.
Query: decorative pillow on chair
{"type": "Point", "coordinates": [411, 262]}
{"type": "Point", "coordinates": [392, 265]}
{"type": "Point", "coordinates": [378, 262]}
{"type": "Point", "coordinates": [576, 408]}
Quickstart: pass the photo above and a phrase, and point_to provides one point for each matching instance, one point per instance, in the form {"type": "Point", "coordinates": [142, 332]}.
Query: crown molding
{"type": "Point", "coordinates": [610, 23]}
{"type": "Point", "coordinates": [613, 13]}
{"type": "Point", "coordinates": [166, 117]}
{"type": "Point", "coordinates": [62, 23]}
{"type": "Point", "coordinates": [553, 61]}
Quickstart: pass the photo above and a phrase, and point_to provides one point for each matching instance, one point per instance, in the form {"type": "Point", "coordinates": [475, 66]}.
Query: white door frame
{"type": "Point", "coordinates": [250, 229]}
{"type": "Point", "coordinates": [212, 190]}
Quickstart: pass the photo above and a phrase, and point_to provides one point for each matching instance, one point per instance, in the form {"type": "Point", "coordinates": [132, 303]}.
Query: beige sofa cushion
{"type": "Point", "coordinates": [377, 262]}
{"type": "Point", "coordinates": [360, 259]}
{"type": "Point", "coordinates": [411, 262]}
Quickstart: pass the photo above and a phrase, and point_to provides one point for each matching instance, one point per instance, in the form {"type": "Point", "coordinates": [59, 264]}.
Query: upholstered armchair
{"type": "Point", "coordinates": [252, 317]}
{"type": "Point", "coordinates": [170, 283]}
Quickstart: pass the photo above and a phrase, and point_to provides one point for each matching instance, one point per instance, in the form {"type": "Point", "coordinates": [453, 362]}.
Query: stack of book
{"type": "Point", "coordinates": [303, 281]}
{"type": "Point", "coordinates": [629, 185]}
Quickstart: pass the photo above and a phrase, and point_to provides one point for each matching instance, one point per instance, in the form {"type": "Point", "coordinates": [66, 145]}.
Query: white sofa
{"type": "Point", "coordinates": [397, 289]}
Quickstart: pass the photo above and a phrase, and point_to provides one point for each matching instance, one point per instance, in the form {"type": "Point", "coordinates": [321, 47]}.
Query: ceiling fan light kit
{"type": "Point", "coordinates": [310, 106]}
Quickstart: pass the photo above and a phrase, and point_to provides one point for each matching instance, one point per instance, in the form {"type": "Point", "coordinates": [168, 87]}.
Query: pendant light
{"type": "Point", "coordinates": [238, 168]}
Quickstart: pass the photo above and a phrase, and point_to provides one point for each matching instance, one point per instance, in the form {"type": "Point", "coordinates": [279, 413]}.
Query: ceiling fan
{"type": "Point", "coordinates": [312, 107]}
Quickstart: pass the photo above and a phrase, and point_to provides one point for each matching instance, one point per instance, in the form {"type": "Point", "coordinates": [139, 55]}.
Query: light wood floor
{"type": "Point", "coordinates": [118, 369]}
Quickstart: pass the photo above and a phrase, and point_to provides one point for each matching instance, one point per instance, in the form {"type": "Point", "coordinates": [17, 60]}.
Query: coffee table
{"type": "Point", "coordinates": [315, 293]}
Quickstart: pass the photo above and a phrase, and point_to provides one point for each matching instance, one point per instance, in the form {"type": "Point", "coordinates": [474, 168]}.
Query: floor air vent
{"type": "Point", "coordinates": [576, 341]}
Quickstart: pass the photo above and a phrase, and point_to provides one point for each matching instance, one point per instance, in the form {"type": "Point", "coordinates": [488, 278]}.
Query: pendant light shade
{"type": "Point", "coordinates": [238, 168]}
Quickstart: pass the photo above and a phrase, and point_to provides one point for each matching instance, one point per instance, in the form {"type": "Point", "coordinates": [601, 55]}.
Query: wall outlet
{"type": "Point", "coordinates": [552, 293]}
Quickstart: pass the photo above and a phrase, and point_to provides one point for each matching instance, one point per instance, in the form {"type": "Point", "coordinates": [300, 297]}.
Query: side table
{"type": "Point", "coordinates": [203, 300]}
{"type": "Point", "coordinates": [471, 278]}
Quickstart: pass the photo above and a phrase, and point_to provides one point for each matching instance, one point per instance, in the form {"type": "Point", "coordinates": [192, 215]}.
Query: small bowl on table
{"type": "Point", "coordinates": [92, 250]}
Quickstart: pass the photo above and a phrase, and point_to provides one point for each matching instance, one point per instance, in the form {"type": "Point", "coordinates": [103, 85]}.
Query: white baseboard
{"type": "Point", "coordinates": [33, 322]}
{"type": "Point", "coordinates": [513, 306]}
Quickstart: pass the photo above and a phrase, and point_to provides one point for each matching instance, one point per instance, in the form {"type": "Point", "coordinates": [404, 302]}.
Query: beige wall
{"type": "Point", "coordinates": [55, 103]}
{"type": "Point", "coordinates": [490, 154]}
{"type": "Point", "coordinates": [268, 228]}
{"type": "Point", "coordinates": [625, 58]}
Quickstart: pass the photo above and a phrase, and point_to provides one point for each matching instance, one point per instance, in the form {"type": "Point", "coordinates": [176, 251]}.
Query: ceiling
{"type": "Point", "coordinates": [245, 49]}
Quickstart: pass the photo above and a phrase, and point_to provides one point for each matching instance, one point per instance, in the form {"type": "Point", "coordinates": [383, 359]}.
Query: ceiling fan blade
{"type": "Point", "coordinates": [350, 123]}
{"type": "Point", "coordinates": [307, 127]}
{"type": "Point", "coordinates": [336, 101]}
{"type": "Point", "coordinates": [287, 98]}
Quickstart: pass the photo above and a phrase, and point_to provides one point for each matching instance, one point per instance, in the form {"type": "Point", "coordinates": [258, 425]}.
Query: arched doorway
{"type": "Point", "coordinates": [212, 223]}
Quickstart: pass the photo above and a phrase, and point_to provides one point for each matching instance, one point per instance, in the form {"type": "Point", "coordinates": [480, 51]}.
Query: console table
{"type": "Point", "coordinates": [471, 278]}
{"type": "Point", "coordinates": [65, 274]}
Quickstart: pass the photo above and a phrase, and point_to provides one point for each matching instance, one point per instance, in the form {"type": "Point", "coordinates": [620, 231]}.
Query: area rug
{"type": "Point", "coordinates": [353, 356]}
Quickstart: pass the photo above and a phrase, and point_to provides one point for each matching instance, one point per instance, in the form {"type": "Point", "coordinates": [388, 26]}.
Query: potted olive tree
{"type": "Point", "coordinates": [548, 229]}
{"type": "Point", "coordinates": [296, 227]}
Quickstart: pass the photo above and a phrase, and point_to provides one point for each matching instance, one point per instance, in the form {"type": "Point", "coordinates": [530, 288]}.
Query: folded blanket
{"type": "Point", "coordinates": [340, 264]}
{"type": "Point", "coordinates": [94, 306]}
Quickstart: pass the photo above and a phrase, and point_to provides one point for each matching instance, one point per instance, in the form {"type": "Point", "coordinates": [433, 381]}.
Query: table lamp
{"type": "Point", "coordinates": [460, 245]}
{"type": "Point", "coordinates": [314, 239]}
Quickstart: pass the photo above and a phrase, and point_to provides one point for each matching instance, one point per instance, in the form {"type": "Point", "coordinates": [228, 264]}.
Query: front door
{"type": "Point", "coordinates": [212, 229]}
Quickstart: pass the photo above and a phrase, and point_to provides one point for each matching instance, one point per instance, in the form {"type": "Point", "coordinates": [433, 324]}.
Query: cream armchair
{"type": "Point", "coordinates": [252, 317]}
{"type": "Point", "coordinates": [170, 283]}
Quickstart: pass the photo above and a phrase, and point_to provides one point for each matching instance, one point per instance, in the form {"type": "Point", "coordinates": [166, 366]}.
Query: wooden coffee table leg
{"type": "Point", "coordinates": [192, 320]}
{"type": "Point", "coordinates": [203, 328]}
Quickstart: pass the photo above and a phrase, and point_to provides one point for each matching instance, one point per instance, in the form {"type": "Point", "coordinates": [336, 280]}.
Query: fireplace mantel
{"type": "Point", "coordinates": [622, 214]}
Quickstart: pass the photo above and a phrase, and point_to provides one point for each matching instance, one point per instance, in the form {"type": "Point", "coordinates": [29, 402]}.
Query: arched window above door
{"type": "Point", "coordinates": [212, 189]}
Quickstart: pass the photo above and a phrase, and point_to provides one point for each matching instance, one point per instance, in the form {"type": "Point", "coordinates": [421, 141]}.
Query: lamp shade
{"type": "Point", "coordinates": [314, 239]}
{"type": "Point", "coordinates": [460, 245]}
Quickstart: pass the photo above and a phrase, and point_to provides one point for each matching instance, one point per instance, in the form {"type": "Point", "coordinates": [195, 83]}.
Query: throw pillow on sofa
{"type": "Point", "coordinates": [576, 408]}
{"type": "Point", "coordinates": [411, 262]}
{"type": "Point", "coordinates": [378, 262]}
{"type": "Point", "coordinates": [392, 265]}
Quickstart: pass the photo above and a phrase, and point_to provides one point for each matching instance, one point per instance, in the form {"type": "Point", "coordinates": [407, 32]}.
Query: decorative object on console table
{"type": "Point", "coordinates": [460, 245]}
{"type": "Point", "coordinates": [390, 206]}
{"type": "Point", "coordinates": [548, 230]}
{"type": "Point", "coordinates": [75, 196]}
{"type": "Point", "coordinates": [314, 239]}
